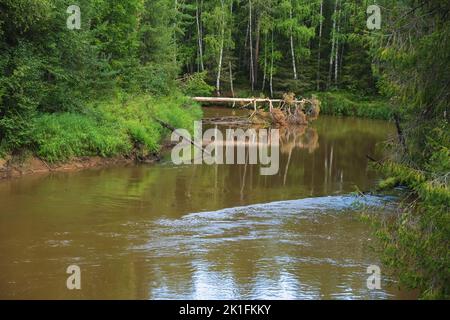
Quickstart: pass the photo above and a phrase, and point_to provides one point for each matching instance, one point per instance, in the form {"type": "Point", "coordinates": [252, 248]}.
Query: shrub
{"type": "Point", "coordinates": [416, 244]}
{"type": "Point", "coordinates": [195, 85]}
{"type": "Point", "coordinates": [20, 94]}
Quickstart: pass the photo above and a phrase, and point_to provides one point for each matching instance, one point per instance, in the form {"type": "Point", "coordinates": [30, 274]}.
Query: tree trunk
{"type": "Point", "coordinates": [265, 62]}
{"type": "Point", "coordinates": [222, 40]}
{"type": "Point", "coordinates": [294, 67]}
{"type": "Point", "coordinates": [244, 60]}
{"type": "Point", "coordinates": [255, 69]}
{"type": "Point", "coordinates": [231, 79]}
{"type": "Point", "coordinates": [175, 35]}
{"type": "Point", "coordinates": [336, 60]}
{"type": "Point", "coordinates": [252, 74]}
{"type": "Point", "coordinates": [320, 45]}
{"type": "Point", "coordinates": [271, 69]}
{"type": "Point", "coordinates": [341, 59]}
{"type": "Point", "coordinates": [199, 36]}
{"type": "Point", "coordinates": [330, 70]}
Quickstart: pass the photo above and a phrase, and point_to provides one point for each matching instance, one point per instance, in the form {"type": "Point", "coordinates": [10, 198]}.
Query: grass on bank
{"type": "Point", "coordinates": [121, 126]}
{"type": "Point", "coordinates": [342, 103]}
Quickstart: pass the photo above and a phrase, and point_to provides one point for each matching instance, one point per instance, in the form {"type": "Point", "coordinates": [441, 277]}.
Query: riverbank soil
{"type": "Point", "coordinates": [11, 169]}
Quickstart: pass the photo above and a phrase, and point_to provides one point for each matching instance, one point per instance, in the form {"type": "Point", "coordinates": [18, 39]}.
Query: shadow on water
{"type": "Point", "coordinates": [201, 231]}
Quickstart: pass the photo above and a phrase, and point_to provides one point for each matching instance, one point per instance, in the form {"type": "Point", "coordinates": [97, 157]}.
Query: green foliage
{"type": "Point", "coordinates": [412, 72]}
{"type": "Point", "coordinates": [343, 103]}
{"type": "Point", "coordinates": [195, 85]}
{"type": "Point", "coordinates": [124, 125]}
{"type": "Point", "coordinates": [410, 63]}
{"type": "Point", "coordinates": [47, 68]}
{"type": "Point", "coordinates": [63, 136]}
{"type": "Point", "coordinates": [96, 91]}
{"type": "Point", "coordinates": [264, 39]}
{"type": "Point", "coordinates": [416, 244]}
{"type": "Point", "coordinates": [20, 93]}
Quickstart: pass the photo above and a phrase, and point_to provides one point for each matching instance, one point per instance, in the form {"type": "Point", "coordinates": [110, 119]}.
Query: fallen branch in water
{"type": "Point", "coordinates": [171, 128]}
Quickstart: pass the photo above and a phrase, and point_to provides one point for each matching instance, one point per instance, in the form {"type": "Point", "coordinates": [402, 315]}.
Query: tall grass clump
{"type": "Point", "coordinates": [63, 136]}
{"type": "Point", "coordinates": [123, 125]}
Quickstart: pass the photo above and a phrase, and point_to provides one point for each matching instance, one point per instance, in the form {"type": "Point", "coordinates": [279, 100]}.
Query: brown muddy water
{"type": "Point", "coordinates": [203, 231]}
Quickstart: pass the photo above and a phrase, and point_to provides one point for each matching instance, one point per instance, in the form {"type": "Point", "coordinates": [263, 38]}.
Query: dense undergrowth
{"type": "Point", "coordinates": [342, 103]}
{"type": "Point", "coordinates": [111, 127]}
{"type": "Point", "coordinates": [416, 244]}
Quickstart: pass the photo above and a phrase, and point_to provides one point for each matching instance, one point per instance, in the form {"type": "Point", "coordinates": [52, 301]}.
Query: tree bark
{"type": "Point", "coordinates": [245, 61]}
{"type": "Point", "coordinates": [271, 69]}
{"type": "Point", "coordinates": [175, 35]}
{"type": "Point", "coordinates": [200, 38]}
{"type": "Point", "coordinates": [341, 59]}
{"type": "Point", "coordinates": [255, 69]}
{"type": "Point", "coordinates": [222, 36]}
{"type": "Point", "coordinates": [320, 45]}
{"type": "Point", "coordinates": [294, 67]}
{"type": "Point", "coordinates": [231, 79]}
{"type": "Point", "coordinates": [336, 60]}
{"type": "Point", "coordinates": [330, 70]}
{"type": "Point", "coordinates": [252, 78]}
{"type": "Point", "coordinates": [265, 62]}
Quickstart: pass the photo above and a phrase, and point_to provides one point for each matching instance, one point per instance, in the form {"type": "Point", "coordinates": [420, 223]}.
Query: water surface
{"type": "Point", "coordinates": [202, 232]}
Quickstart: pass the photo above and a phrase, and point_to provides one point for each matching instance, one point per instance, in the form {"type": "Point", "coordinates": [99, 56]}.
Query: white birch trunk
{"type": "Point", "coordinates": [320, 45]}
{"type": "Point", "coordinates": [265, 63]}
{"type": "Point", "coordinates": [252, 78]}
{"type": "Point", "coordinates": [271, 70]}
{"type": "Point", "coordinates": [336, 60]}
{"type": "Point", "coordinates": [294, 67]}
{"type": "Point", "coordinates": [330, 70]}
{"type": "Point", "coordinates": [231, 78]}
{"type": "Point", "coordinates": [222, 36]}
{"type": "Point", "coordinates": [199, 35]}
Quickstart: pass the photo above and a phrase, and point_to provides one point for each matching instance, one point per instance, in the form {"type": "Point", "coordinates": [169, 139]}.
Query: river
{"type": "Point", "coordinates": [203, 231]}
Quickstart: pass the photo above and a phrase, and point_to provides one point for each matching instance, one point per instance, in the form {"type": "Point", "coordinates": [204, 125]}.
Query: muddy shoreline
{"type": "Point", "coordinates": [13, 167]}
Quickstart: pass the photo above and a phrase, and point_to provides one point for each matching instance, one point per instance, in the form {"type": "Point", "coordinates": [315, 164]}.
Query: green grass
{"type": "Point", "coordinates": [123, 125]}
{"type": "Point", "coordinates": [67, 135]}
{"type": "Point", "coordinates": [340, 103]}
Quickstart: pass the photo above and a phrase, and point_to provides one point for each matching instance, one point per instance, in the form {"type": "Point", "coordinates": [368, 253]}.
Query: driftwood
{"type": "Point", "coordinates": [289, 110]}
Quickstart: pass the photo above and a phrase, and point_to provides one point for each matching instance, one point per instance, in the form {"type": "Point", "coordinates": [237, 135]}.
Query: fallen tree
{"type": "Point", "coordinates": [289, 110]}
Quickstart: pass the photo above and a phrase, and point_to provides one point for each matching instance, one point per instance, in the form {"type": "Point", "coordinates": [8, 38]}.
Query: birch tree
{"type": "Point", "coordinates": [333, 43]}
{"type": "Point", "coordinates": [320, 45]}
{"type": "Point", "coordinates": [293, 23]}
{"type": "Point", "coordinates": [199, 33]}
{"type": "Point", "coordinates": [250, 22]}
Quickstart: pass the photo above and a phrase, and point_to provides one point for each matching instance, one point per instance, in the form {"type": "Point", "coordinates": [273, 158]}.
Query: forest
{"type": "Point", "coordinates": [95, 90]}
